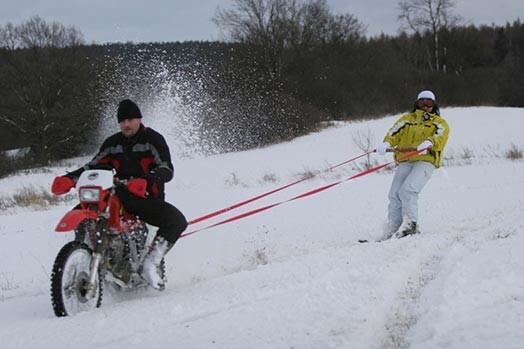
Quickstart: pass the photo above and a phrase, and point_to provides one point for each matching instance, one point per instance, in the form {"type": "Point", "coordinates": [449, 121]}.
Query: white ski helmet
{"type": "Point", "coordinates": [426, 94]}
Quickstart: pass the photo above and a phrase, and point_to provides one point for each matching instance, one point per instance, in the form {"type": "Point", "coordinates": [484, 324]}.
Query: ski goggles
{"type": "Point", "coordinates": [425, 102]}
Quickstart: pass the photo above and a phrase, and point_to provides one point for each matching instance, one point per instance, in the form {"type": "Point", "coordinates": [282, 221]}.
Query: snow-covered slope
{"type": "Point", "coordinates": [295, 276]}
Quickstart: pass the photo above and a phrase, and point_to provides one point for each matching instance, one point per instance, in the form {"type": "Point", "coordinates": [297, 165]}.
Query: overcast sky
{"type": "Point", "coordinates": [180, 20]}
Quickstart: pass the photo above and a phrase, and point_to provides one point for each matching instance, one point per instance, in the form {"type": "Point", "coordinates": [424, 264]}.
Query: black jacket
{"type": "Point", "coordinates": [145, 155]}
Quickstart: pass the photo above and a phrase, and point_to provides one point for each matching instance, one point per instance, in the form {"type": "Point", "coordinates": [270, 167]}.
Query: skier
{"type": "Point", "coordinates": [141, 152]}
{"type": "Point", "coordinates": [424, 130]}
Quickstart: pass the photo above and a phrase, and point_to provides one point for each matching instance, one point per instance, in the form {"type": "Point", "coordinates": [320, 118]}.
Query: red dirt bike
{"type": "Point", "coordinates": [108, 247]}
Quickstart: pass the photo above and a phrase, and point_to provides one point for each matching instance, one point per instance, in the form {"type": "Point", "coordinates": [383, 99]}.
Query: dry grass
{"type": "Point", "coordinates": [514, 153]}
{"type": "Point", "coordinates": [33, 197]}
{"type": "Point", "coordinates": [268, 178]}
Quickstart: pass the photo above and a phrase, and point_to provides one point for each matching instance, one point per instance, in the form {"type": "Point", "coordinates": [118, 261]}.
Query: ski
{"type": "Point", "coordinates": [364, 241]}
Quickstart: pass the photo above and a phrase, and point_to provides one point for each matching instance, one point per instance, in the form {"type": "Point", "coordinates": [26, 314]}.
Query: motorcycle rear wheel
{"type": "Point", "coordinates": [69, 281]}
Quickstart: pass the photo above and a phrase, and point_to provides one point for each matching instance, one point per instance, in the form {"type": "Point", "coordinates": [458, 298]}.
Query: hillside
{"type": "Point", "coordinates": [295, 276]}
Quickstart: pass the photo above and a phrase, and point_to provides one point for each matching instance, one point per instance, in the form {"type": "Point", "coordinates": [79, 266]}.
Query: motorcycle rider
{"type": "Point", "coordinates": [141, 152]}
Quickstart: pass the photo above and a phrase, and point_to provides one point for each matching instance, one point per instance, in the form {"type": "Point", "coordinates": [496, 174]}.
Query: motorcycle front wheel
{"type": "Point", "coordinates": [70, 281]}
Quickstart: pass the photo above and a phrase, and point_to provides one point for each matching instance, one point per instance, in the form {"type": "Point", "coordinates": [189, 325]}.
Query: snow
{"type": "Point", "coordinates": [295, 276]}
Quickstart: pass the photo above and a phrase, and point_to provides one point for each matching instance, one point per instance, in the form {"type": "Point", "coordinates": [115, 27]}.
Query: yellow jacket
{"type": "Point", "coordinates": [416, 127]}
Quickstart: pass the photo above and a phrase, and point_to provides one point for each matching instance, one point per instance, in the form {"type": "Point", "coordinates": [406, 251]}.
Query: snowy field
{"type": "Point", "coordinates": [295, 276]}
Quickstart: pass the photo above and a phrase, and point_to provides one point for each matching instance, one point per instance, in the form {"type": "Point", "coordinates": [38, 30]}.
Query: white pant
{"type": "Point", "coordinates": [408, 181]}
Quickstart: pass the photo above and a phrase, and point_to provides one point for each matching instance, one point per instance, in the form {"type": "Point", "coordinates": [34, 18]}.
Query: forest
{"type": "Point", "coordinates": [266, 85]}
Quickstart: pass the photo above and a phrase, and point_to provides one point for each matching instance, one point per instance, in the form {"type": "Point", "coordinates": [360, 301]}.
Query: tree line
{"type": "Point", "coordinates": [289, 65]}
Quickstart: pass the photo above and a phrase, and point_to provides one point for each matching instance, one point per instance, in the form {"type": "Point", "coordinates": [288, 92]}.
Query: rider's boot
{"type": "Point", "coordinates": [150, 269]}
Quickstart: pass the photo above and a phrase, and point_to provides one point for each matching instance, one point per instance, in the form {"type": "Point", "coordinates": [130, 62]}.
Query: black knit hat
{"type": "Point", "coordinates": [127, 109]}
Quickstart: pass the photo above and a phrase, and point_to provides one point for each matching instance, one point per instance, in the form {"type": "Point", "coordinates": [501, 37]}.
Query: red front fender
{"type": "Point", "coordinates": [73, 218]}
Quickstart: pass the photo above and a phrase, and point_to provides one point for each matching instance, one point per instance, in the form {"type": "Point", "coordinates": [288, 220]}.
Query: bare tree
{"type": "Point", "coordinates": [280, 26]}
{"type": "Point", "coordinates": [37, 33]}
{"type": "Point", "coordinates": [365, 140]}
{"type": "Point", "coordinates": [430, 15]}
{"type": "Point", "coordinates": [43, 86]}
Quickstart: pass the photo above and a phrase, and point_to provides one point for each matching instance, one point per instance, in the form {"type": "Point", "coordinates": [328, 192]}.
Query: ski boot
{"type": "Point", "coordinates": [407, 228]}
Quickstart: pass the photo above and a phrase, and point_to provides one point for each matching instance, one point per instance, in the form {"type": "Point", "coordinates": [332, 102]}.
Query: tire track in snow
{"type": "Point", "coordinates": [401, 316]}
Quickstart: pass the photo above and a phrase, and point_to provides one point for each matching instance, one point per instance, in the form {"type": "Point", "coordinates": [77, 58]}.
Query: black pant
{"type": "Point", "coordinates": [157, 212]}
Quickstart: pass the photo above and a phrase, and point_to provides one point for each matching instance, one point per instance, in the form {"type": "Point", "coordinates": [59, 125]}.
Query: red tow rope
{"type": "Point", "coordinates": [306, 194]}
{"type": "Point", "coordinates": [240, 204]}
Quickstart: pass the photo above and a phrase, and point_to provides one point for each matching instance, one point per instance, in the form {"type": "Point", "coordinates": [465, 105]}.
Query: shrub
{"type": "Point", "coordinates": [514, 153]}
{"type": "Point", "coordinates": [269, 178]}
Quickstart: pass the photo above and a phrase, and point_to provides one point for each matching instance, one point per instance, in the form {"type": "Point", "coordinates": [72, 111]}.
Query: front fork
{"type": "Point", "coordinates": [97, 256]}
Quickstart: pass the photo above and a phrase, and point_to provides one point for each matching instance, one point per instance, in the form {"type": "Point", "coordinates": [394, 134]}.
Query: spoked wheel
{"type": "Point", "coordinates": [70, 280]}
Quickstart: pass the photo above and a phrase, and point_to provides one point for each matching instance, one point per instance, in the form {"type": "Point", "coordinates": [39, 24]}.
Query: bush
{"type": "Point", "coordinates": [514, 153]}
{"type": "Point", "coordinates": [9, 164]}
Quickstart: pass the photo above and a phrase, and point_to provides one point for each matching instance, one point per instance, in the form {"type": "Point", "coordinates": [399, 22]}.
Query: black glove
{"type": "Point", "coordinates": [152, 178]}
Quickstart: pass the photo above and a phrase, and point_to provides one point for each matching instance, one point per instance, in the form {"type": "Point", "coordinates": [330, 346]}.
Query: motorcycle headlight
{"type": "Point", "coordinates": [89, 194]}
